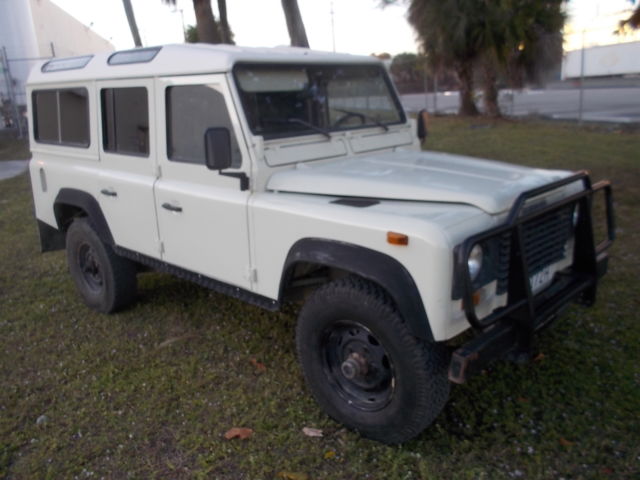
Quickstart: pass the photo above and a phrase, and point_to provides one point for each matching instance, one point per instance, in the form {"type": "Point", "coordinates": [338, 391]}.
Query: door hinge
{"type": "Point", "coordinates": [158, 171]}
{"type": "Point", "coordinates": [161, 247]}
{"type": "Point", "coordinates": [251, 274]}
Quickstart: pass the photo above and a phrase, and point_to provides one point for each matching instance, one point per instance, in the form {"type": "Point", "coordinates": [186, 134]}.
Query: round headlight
{"type": "Point", "coordinates": [475, 261]}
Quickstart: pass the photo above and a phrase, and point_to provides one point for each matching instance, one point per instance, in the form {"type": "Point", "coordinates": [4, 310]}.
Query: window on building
{"type": "Point", "coordinates": [61, 116]}
{"type": "Point", "coordinates": [125, 120]}
{"type": "Point", "coordinates": [191, 110]}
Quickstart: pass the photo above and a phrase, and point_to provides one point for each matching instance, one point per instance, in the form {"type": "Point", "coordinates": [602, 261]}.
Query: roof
{"type": "Point", "coordinates": [180, 60]}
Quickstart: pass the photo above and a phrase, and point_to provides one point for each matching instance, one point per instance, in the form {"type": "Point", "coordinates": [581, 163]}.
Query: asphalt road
{"type": "Point", "coordinates": [620, 105]}
{"type": "Point", "coordinates": [11, 168]}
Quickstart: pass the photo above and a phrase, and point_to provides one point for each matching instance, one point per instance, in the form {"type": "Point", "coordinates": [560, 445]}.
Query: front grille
{"type": "Point", "coordinates": [545, 242]}
{"type": "Point", "coordinates": [545, 238]}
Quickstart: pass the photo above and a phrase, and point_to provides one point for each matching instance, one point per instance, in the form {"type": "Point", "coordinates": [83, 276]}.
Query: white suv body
{"type": "Point", "coordinates": [265, 173]}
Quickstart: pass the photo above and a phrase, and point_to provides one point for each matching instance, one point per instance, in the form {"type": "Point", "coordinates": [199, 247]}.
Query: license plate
{"type": "Point", "coordinates": [541, 279]}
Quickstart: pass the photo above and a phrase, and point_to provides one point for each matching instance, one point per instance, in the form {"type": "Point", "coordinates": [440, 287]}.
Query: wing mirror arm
{"type": "Point", "coordinates": [218, 155]}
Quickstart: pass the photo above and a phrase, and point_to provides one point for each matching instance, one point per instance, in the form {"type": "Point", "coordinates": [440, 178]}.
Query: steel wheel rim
{"type": "Point", "coordinates": [357, 366]}
{"type": "Point", "coordinates": [90, 268]}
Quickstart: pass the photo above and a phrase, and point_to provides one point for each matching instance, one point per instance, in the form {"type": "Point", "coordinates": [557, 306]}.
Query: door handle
{"type": "Point", "coordinates": [171, 208]}
{"type": "Point", "coordinates": [109, 192]}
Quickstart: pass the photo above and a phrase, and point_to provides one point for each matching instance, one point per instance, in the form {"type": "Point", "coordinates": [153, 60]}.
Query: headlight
{"type": "Point", "coordinates": [475, 261]}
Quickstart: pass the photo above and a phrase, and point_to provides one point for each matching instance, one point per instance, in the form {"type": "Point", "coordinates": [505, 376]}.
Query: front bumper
{"type": "Point", "coordinates": [510, 328]}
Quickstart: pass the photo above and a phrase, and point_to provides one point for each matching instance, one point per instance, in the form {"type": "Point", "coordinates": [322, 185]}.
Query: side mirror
{"type": "Point", "coordinates": [217, 148]}
{"type": "Point", "coordinates": [423, 124]}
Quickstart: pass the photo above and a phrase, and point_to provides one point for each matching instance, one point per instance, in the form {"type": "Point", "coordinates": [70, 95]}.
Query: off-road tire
{"type": "Point", "coordinates": [105, 281]}
{"type": "Point", "coordinates": [403, 404]}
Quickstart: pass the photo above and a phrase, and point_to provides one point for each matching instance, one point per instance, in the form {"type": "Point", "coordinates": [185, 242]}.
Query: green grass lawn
{"type": "Point", "coordinates": [11, 149]}
{"type": "Point", "coordinates": [150, 392]}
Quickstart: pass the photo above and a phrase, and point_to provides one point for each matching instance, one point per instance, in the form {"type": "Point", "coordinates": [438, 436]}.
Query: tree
{"type": "Point", "coordinates": [408, 72]}
{"type": "Point", "coordinates": [633, 22]}
{"type": "Point", "coordinates": [210, 31]}
{"type": "Point", "coordinates": [133, 26]}
{"type": "Point", "coordinates": [191, 34]}
{"type": "Point", "coordinates": [488, 35]}
{"type": "Point", "coordinates": [225, 31]}
{"type": "Point", "coordinates": [522, 40]}
{"type": "Point", "coordinates": [295, 25]}
{"type": "Point", "coordinates": [450, 32]}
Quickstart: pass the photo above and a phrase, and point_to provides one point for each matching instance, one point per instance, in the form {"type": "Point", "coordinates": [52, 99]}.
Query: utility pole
{"type": "Point", "coordinates": [333, 28]}
{"type": "Point", "coordinates": [581, 95]}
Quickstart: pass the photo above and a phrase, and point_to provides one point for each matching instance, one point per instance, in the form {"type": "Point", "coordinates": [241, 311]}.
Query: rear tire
{"type": "Point", "coordinates": [105, 281]}
{"type": "Point", "coordinates": [363, 365]}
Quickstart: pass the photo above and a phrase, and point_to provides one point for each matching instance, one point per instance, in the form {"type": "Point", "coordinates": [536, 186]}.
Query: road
{"type": "Point", "coordinates": [620, 105]}
{"type": "Point", "coordinates": [11, 168]}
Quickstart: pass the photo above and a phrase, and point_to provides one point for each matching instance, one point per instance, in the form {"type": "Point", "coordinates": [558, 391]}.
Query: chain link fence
{"type": "Point", "coordinates": [13, 99]}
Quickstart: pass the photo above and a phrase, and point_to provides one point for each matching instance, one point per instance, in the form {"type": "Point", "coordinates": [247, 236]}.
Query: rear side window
{"type": "Point", "coordinates": [125, 120]}
{"type": "Point", "coordinates": [61, 116]}
{"type": "Point", "coordinates": [191, 110]}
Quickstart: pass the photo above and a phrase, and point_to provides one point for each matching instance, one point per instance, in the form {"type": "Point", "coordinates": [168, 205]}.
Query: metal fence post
{"type": "Point", "coordinates": [10, 91]}
{"type": "Point", "coordinates": [581, 96]}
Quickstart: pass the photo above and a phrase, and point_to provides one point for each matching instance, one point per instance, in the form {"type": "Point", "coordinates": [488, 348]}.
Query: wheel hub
{"type": "Point", "coordinates": [354, 366]}
{"type": "Point", "coordinates": [358, 366]}
{"type": "Point", "coordinates": [90, 268]}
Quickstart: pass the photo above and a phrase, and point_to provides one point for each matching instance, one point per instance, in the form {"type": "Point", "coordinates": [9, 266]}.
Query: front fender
{"type": "Point", "coordinates": [374, 266]}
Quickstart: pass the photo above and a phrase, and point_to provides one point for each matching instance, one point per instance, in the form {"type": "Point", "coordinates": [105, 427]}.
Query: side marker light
{"type": "Point", "coordinates": [395, 238]}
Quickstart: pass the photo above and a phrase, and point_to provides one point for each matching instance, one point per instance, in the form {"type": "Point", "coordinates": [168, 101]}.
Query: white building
{"type": "Point", "coordinates": [35, 29]}
{"type": "Point", "coordinates": [617, 60]}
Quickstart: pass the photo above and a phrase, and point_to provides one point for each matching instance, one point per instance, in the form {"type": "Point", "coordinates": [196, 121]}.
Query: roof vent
{"type": "Point", "coordinates": [60, 64]}
{"type": "Point", "coordinates": [137, 55]}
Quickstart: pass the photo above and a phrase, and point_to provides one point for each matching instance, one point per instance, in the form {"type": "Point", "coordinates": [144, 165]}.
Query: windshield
{"type": "Point", "coordinates": [287, 100]}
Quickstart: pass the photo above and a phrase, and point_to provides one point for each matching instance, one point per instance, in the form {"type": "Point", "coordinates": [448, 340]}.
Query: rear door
{"type": "Point", "coordinates": [202, 215]}
{"type": "Point", "coordinates": [128, 157]}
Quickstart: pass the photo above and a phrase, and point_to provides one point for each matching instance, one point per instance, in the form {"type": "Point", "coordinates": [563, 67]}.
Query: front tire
{"type": "Point", "coordinates": [105, 281]}
{"type": "Point", "coordinates": [363, 365]}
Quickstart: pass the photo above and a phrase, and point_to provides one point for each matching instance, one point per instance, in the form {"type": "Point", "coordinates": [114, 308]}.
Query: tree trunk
{"type": "Point", "coordinates": [206, 22]}
{"type": "Point", "coordinates": [133, 26]}
{"type": "Point", "coordinates": [465, 77]}
{"type": "Point", "coordinates": [489, 79]}
{"type": "Point", "coordinates": [225, 30]}
{"type": "Point", "coordinates": [295, 25]}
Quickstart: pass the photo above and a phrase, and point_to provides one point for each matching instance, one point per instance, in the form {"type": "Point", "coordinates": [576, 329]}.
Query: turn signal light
{"type": "Point", "coordinates": [395, 238]}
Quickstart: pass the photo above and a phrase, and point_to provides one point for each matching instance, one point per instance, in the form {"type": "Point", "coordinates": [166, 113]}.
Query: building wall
{"type": "Point", "coordinates": [606, 60]}
{"type": "Point", "coordinates": [69, 37]}
{"type": "Point", "coordinates": [32, 29]}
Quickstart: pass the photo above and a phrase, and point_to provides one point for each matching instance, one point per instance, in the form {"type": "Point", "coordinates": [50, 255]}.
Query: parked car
{"type": "Point", "coordinates": [275, 175]}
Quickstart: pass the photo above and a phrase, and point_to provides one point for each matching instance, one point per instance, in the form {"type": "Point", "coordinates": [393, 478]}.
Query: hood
{"type": "Point", "coordinates": [419, 176]}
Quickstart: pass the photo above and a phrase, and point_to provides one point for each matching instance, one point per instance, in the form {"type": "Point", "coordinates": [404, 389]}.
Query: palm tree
{"type": "Point", "coordinates": [450, 32]}
{"type": "Point", "coordinates": [208, 29]}
{"type": "Point", "coordinates": [490, 35]}
{"type": "Point", "coordinates": [225, 30]}
{"type": "Point", "coordinates": [633, 21]}
{"type": "Point", "coordinates": [133, 26]}
{"type": "Point", "coordinates": [295, 25]}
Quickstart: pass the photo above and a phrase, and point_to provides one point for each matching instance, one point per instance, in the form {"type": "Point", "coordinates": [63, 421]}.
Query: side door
{"type": "Point", "coordinates": [128, 158]}
{"type": "Point", "coordinates": [202, 215]}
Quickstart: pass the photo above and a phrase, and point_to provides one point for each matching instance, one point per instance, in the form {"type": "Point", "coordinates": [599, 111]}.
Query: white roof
{"type": "Point", "coordinates": [189, 59]}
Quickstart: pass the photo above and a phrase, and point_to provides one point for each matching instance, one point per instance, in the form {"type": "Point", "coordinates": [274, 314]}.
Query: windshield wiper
{"type": "Point", "coordinates": [299, 121]}
{"type": "Point", "coordinates": [362, 116]}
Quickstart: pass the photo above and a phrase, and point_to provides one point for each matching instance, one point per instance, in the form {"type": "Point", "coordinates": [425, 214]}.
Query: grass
{"type": "Point", "coordinates": [12, 149]}
{"type": "Point", "coordinates": [149, 392]}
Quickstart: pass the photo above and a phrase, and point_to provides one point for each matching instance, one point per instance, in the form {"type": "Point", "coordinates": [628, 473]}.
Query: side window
{"type": "Point", "coordinates": [61, 116]}
{"type": "Point", "coordinates": [191, 110]}
{"type": "Point", "coordinates": [125, 120]}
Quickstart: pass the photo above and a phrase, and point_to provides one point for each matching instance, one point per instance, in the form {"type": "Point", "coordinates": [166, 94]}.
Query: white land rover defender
{"type": "Point", "coordinates": [286, 174]}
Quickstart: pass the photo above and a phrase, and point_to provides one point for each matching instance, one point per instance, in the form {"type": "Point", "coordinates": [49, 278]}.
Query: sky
{"type": "Point", "coordinates": [359, 26]}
